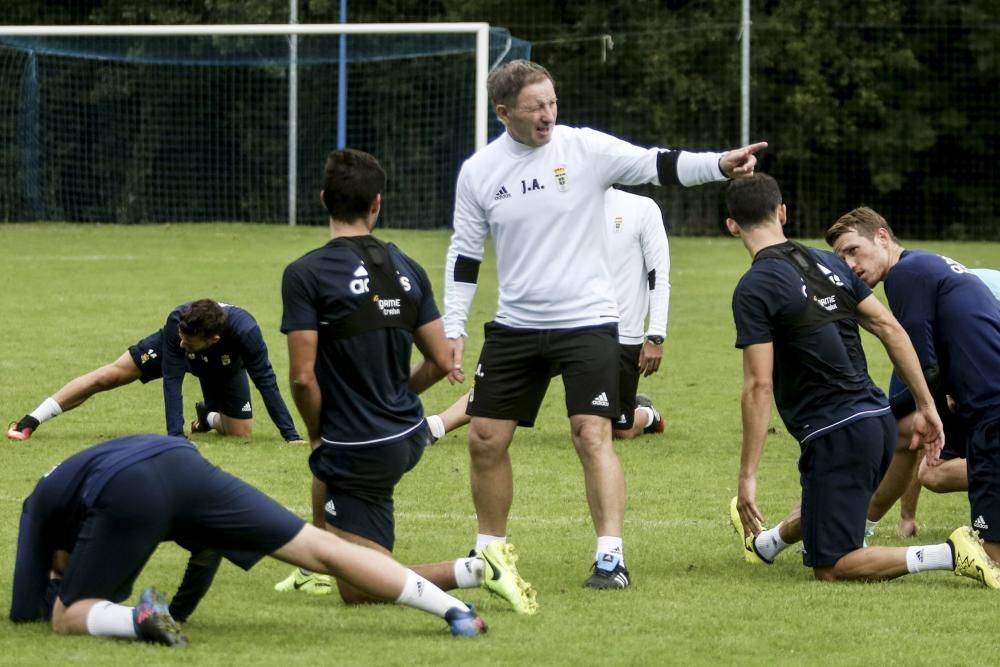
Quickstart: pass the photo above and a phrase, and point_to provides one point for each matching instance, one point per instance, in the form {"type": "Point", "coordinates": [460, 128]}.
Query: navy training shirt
{"type": "Point", "coordinates": [240, 346]}
{"type": "Point", "coordinates": [364, 378]}
{"type": "Point", "coordinates": [57, 507]}
{"type": "Point", "coordinates": [821, 379]}
{"type": "Point", "coordinates": [953, 321]}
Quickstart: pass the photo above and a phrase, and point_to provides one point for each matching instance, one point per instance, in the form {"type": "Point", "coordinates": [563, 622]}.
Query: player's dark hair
{"type": "Point", "coordinates": [753, 200]}
{"type": "Point", "coordinates": [203, 318]}
{"type": "Point", "coordinates": [505, 83]}
{"type": "Point", "coordinates": [351, 181]}
{"type": "Point", "coordinates": [863, 220]}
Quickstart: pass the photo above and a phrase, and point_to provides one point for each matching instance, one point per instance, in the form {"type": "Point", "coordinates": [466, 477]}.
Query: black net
{"type": "Point", "coordinates": [153, 129]}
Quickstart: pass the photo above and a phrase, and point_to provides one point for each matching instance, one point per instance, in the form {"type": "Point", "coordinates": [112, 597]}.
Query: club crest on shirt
{"type": "Point", "coordinates": [562, 180]}
{"type": "Point", "coordinates": [225, 360]}
{"type": "Point", "coordinates": [619, 220]}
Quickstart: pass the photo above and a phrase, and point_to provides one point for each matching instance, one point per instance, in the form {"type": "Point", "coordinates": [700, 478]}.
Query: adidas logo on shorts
{"type": "Point", "coordinates": [330, 508]}
{"type": "Point", "coordinates": [246, 407]}
{"type": "Point", "coordinates": [980, 523]}
{"type": "Point", "coordinates": [601, 400]}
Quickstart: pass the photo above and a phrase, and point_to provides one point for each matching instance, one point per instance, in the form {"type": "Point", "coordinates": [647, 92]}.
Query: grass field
{"type": "Point", "coordinates": [76, 296]}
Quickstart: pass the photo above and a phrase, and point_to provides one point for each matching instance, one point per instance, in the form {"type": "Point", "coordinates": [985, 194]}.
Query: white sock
{"type": "Point", "coordinates": [482, 540]}
{"type": "Point", "coordinates": [468, 572]}
{"type": "Point", "coordinates": [437, 426]}
{"type": "Point", "coordinates": [870, 527]}
{"type": "Point", "coordinates": [607, 544]}
{"type": "Point", "coordinates": [648, 412]}
{"type": "Point", "coordinates": [769, 543]}
{"type": "Point", "coordinates": [929, 557]}
{"type": "Point", "coordinates": [107, 619]}
{"type": "Point", "coordinates": [214, 420]}
{"type": "Point", "coordinates": [46, 410]}
{"type": "Point", "coordinates": [422, 594]}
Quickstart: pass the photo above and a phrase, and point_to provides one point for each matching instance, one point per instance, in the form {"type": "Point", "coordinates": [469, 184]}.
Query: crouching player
{"type": "Point", "coordinates": [89, 507]}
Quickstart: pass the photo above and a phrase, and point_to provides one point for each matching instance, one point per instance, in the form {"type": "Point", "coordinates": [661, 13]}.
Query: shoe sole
{"type": "Point", "coordinates": [964, 545]}
{"type": "Point", "coordinates": [617, 582]}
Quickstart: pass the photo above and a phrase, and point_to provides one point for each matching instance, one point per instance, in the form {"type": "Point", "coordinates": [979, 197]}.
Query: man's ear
{"type": "Point", "coordinates": [782, 214]}
{"type": "Point", "coordinates": [502, 115]}
{"type": "Point", "coordinates": [733, 227]}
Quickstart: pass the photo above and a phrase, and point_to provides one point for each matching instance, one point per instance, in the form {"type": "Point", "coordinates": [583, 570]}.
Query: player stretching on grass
{"type": "Point", "coordinates": [796, 313]}
{"type": "Point", "coordinates": [640, 257]}
{"type": "Point", "coordinates": [539, 189]}
{"type": "Point", "coordinates": [353, 310]}
{"type": "Point", "coordinates": [954, 322]}
{"type": "Point", "coordinates": [908, 471]}
{"type": "Point", "coordinates": [109, 506]}
{"type": "Point", "coordinates": [219, 343]}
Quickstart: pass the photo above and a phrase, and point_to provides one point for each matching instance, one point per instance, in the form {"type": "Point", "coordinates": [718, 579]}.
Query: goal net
{"type": "Point", "coordinates": [220, 127]}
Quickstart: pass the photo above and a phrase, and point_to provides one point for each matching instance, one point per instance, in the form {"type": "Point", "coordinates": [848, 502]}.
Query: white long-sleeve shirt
{"type": "Point", "coordinates": [544, 208]}
{"type": "Point", "coordinates": [637, 245]}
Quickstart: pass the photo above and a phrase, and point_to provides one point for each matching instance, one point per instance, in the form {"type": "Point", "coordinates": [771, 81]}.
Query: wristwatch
{"type": "Point", "coordinates": [655, 340]}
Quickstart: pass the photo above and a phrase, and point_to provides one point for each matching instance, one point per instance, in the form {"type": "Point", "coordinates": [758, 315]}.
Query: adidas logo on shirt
{"type": "Point", "coordinates": [601, 400]}
{"type": "Point", "coordinates": [501, 194]}
{"type": "Point", "coordinates": [246, 407]}
{"type": "Point", "coordinates": [360, 283]}
{"type": "Point", "coordinates": [980, 523]}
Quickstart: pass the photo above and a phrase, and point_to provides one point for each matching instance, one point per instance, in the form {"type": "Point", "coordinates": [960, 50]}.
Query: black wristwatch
{"type": "Point", "coordinates": [655, 340]}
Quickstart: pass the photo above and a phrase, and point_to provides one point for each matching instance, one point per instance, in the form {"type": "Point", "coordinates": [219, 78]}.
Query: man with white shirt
{"type": "Point", "coordinates": [539, 189]}
{"type": "Point", "coordinates": [640, 258]}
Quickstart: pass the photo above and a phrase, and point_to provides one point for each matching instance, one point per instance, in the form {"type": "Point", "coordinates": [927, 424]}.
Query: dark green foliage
{"type": "Point", "coordinates": [892, 104]}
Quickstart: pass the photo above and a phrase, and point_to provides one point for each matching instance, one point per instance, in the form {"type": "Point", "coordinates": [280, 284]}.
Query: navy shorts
{"type": "Point", "coordinates": [515, 367]}
{"type": "Point", "coordinates": [148, 357]}
{"type": "Point", "coordinates": [956, 436]}
{"type": "Point", "coordinates": [228, 394]}
{"type": "Point", "coordinates": [628, 385]}
{"type": "Point", "coordinates": [984, 477]}
{"type": "Point", "coordinates": [360, 482]}
{"type": "Point", "coordinates": [179, 496]}
{"type": "Point", "coordinates": [839, 472]}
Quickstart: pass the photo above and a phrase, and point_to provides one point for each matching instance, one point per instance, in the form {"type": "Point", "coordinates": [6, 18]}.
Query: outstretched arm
{"type": "Point", "coordinates": [755, 404]}
{"type": "Point", "coordinates": [927, 427]}
{"type": "Point", "coordinates": [174, 367]}
{"type": "Point", "coordinates": [259, 369]}
{"type": "Point", "coordinates": [302, 346]}
{"type": "Point", "coordinates": [198, 577]}
{"type": "Point", "coordinates": [740, 162]}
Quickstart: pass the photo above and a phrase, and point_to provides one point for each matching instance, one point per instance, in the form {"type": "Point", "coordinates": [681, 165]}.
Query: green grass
{"type": "Point", "coordinates": [76, 296]}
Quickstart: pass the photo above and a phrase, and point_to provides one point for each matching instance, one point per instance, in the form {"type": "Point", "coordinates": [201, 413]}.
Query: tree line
{"type": "Point", "coordinates": [890, 104]}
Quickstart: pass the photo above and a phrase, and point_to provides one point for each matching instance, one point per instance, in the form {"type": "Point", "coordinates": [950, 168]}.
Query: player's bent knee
{"type": "Point", "coordinates": [930, 480]}
{"type": "Point", "coordinates": [61, 620]}
{"type": "Point", "coordinates": [351, 595]}
{"type": "Point", "coordinates": [825, 573]}
{"type": "Point", "coordinates": [238, 428]}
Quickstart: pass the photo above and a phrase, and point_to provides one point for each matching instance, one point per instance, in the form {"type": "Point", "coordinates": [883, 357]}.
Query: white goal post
{"type": "Point", "coordinates": [481, 32]}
